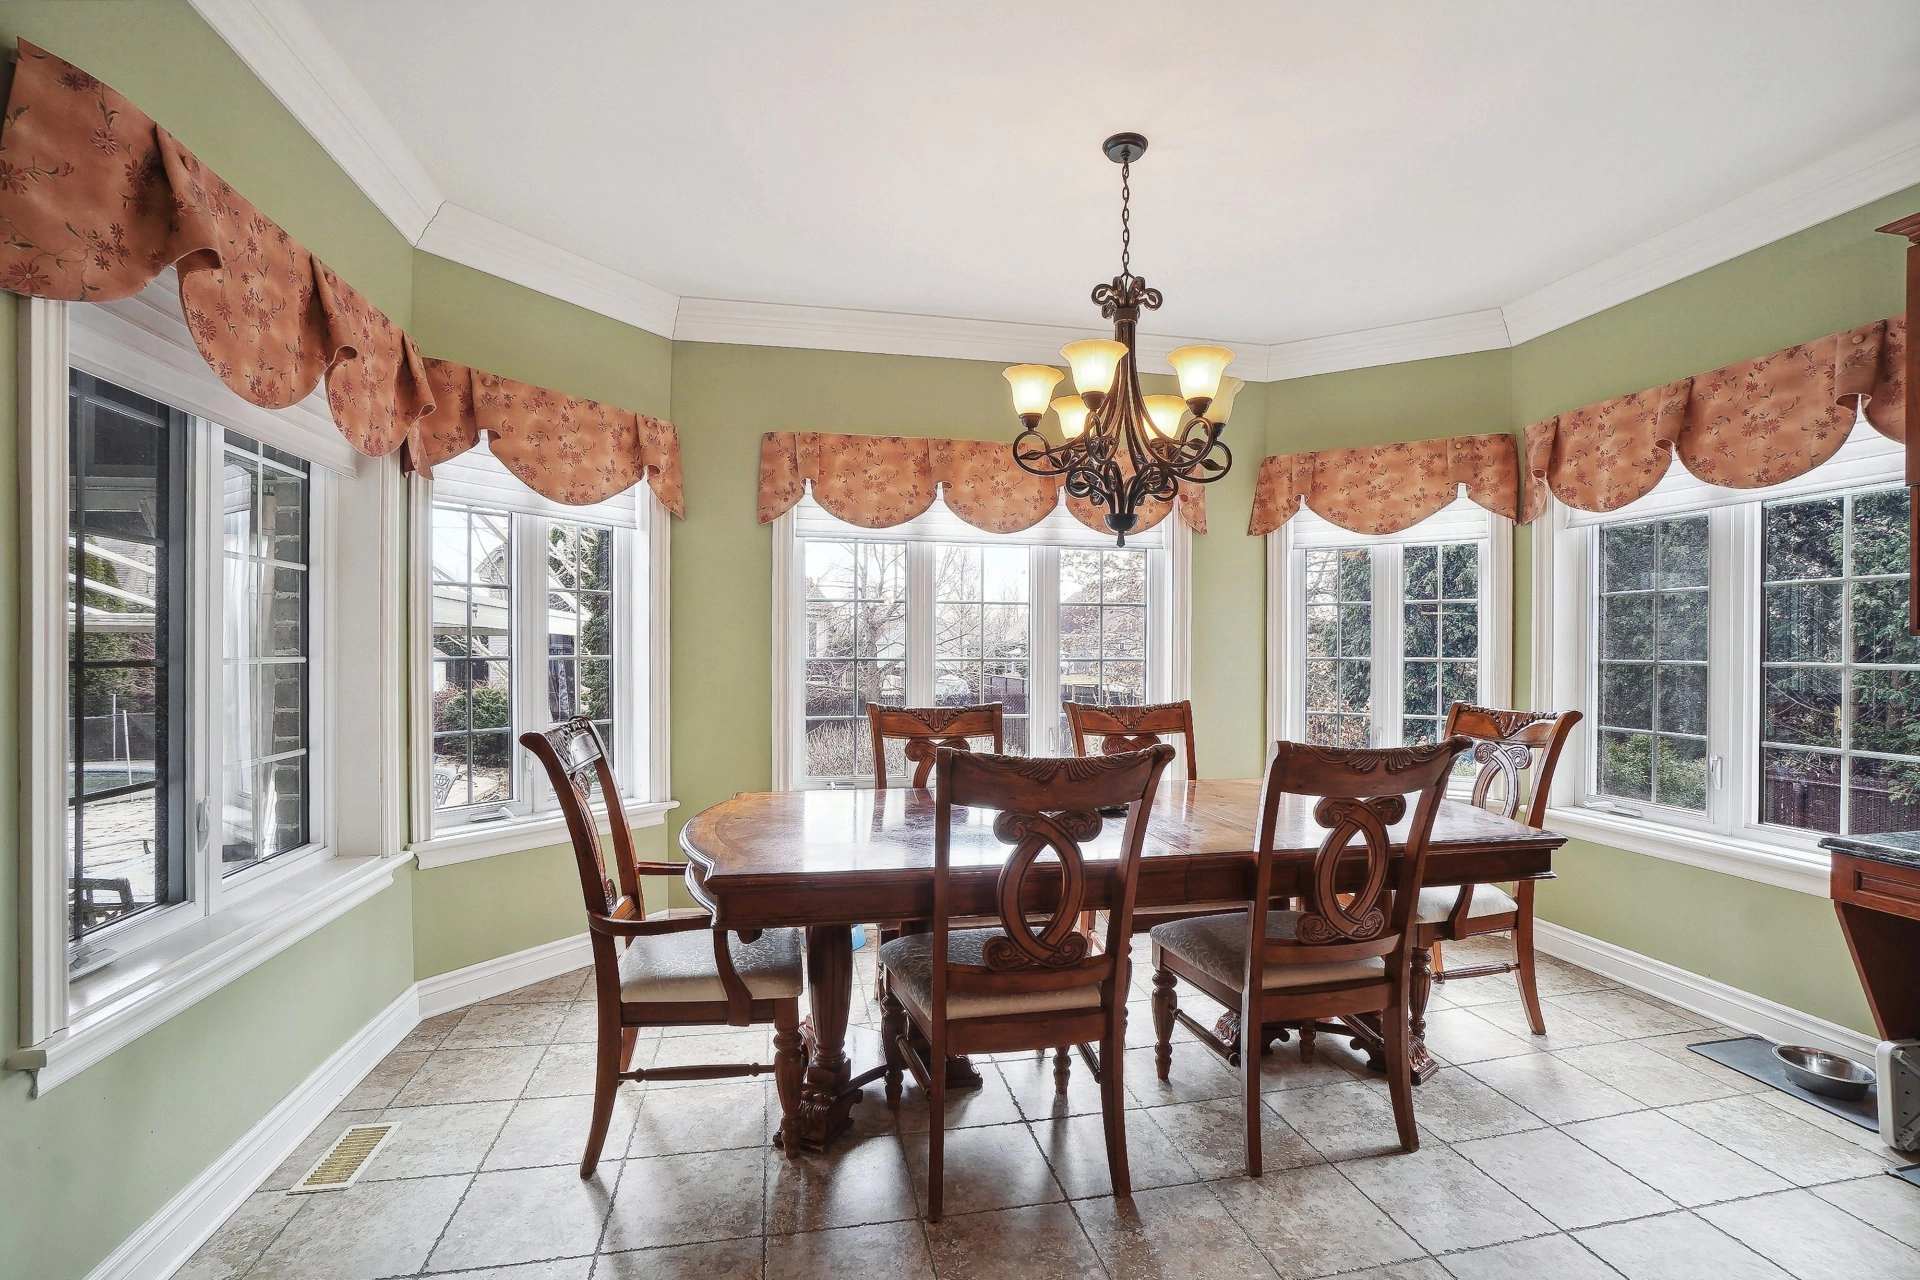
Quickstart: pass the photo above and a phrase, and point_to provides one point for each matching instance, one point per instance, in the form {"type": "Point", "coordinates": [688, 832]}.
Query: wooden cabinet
{"type": "Point", "coordinates": [1877, 897]}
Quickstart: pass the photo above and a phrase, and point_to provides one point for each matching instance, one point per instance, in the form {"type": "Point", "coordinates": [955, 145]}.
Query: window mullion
{"type": "Point", "coordinates": [528, 661]}
{"type": "Point", "coordinates": [920, 585]}
{"type": "Point", "coordinates": [1043, 668]}
{"type": "Point", "coordinates": [203, 699]}
{"type": "Point", "coordinates": [1387, 665]}
{"type": "Point", "coordinates": [1733, 665]}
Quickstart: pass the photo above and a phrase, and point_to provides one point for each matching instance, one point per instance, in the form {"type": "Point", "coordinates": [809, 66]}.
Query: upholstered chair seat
{"type": "Point", "coordinates": [1217, 946]}
{"type": "Point", "coordinates": [1437, 904]}
{"type": "Point", "coordinates": [672, 967]}
{"type": "Point", "coordinates": [910, 962]}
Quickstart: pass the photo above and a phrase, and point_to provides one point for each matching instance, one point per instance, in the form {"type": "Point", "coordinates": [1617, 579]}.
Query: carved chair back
{"type": "Point", "coordinates": [575, 757]}
{"type": "Point", "coordinates": [1510, 746]}
{"type": "Point", "coordinates": [1355, 906]}
{"type": "Point", "coordinates": [1044, 805]}
{"type": "Point", "coordinates": [925, 730]}
{"type": "Point", "coordinates": [1130, 728]}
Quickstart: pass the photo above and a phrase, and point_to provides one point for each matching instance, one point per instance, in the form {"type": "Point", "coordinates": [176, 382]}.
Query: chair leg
{"type": "Point", "coordinates": [1165, 1002]}
{"type": "Point", "coordinates": [887, 934]}
{"type": "Point", "coordinates": [1523, 956]}
{"type": "Point", "coordinates": [1398, 1037]}
{"type": "Point", "coordinates": [1250, 1076]}
{"type": "Point", "coordinates": [789, 1067]}
{"type": "Point", "coordinates": [936, 1133]}
{"type": "Point", "coordinates": [1438, 967]}
{"type": "Point", "coordinates": [1062, 1067]}
{"type": "Point", "coordinates": [606, 1082]}
{"type": "Point", "coordinates": [893, 1025]}
{"type": "Point", "coordinates": [1113, 1113]}
{"type": "Point", "coordinates": [629, 1037]}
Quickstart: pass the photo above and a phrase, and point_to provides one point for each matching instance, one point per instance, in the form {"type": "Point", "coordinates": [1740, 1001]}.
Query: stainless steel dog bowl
{"type": "Point", "coordinates": [1826, 1073]}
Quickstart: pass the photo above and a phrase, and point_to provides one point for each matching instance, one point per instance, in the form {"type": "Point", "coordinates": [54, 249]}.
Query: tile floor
{"type": "Point", "coordinates": [1603, 1150]}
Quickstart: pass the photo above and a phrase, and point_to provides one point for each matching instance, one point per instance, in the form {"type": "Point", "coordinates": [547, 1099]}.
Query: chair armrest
{"type": "Point", "coordinates": [647, 928]}
{"type": "Point", "coordinates": [660, 868]}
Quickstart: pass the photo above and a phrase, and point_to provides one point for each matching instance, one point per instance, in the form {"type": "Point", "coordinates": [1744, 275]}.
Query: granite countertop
{"type": "Point", "coordinates": [1902, 848]}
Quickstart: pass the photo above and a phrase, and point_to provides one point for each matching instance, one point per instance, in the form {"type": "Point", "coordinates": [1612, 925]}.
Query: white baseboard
{"type": "Point", "coordinates": [1708, 997]}
{"type": "Point", "coordinates": [502, 974]}
{"type": "Point", "coordinates": [169, 1238]}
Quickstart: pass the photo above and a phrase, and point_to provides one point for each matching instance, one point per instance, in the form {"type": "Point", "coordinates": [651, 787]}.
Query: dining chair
{"type": "Point", "coordinates": [664, 969]}
{"type": "Point", "coordinates": [1345, 953]}
{"type": "Point", "coordinates": [924, 730]}
{"type": "Point", "coordinates": [1012, 986]}
{"type": "Point", "coordinates": [1506, 746]}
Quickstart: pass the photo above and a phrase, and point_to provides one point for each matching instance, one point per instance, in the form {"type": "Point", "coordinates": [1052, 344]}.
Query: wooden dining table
{"type": "Point", "coordinates": [827, 860]}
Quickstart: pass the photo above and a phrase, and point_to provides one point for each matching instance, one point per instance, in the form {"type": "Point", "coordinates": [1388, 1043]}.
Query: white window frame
{"type": "Point", "coordinates": [1169, 619]}
{"type": "Point", "coordinates": [1460, 521]}
{"type": "Point", "coordinates": [1726, 838]}
{"type": "Point", "coordinates": [166, 960]}
{"type": "Point", "coordinates": [642, 744]}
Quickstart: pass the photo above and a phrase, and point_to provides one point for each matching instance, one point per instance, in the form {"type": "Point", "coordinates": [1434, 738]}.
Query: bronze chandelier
{"type": "Point", "coordinates": [1119, 448]}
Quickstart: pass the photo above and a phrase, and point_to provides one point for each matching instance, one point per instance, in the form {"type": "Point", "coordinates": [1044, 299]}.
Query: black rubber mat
{"type": "Point", "coordinates": [1753, 1057]}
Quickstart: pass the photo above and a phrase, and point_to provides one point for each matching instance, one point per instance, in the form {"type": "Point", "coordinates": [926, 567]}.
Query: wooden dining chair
{"type": "Point", "coordinates": [1345, 953]}
{"type": "Point", "coordinates": [1013, 987]}
{"type": "Point", "coordinates": [662, 970]}
{"type": "Point", "coordinates": [1508, 746]}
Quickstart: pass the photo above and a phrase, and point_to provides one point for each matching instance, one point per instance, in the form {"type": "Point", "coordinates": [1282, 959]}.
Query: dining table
{"type": "Point", "coordinates": [831, 859]}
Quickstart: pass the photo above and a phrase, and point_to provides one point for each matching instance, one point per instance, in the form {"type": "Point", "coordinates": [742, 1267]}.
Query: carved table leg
{"type": "Point", "coordinates": [825, 1100]}
{"type": "Point", "coordinates": [1419, 989]}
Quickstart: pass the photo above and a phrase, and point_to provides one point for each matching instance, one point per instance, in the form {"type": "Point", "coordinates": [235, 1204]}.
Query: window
{"type": "Point", "coordinates": [1747, 661]}
{"type": "Point", "coordinates": [936, 613]}
{"type": "Point", "coordinates": [534, 613]}
{"type": "Point", "coordinates": [1376, 637]}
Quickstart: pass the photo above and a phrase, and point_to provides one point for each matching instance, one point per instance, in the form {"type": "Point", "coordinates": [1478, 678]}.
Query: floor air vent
{"type": "Point", "coordinates": [345, 1159]}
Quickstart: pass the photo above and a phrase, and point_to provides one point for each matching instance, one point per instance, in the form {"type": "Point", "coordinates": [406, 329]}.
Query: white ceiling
{"type": "Point", "coordinates": [1315, 168]}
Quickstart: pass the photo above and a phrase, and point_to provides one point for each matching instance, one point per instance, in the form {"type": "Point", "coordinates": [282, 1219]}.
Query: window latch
{"type": "Point", "coordinates": [1715, 770]}
{"type": "Point", "coordinates": [500, 814]}
{"type": "Point", "coordinates": [200, 824]}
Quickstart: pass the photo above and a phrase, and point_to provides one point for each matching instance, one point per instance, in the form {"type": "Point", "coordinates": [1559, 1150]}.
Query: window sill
{"type": "Point", "coordinates": [492, 839]}
{"type": "Point", "coordinates": [1780, 865]}
{"type": "Point", "coordinates": [116, 1005]}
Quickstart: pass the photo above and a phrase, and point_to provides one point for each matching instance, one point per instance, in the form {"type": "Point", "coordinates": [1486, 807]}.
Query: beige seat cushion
{"type": "Point", "coordinates": [909, 964]}
{"type": "Point", "coordinates": [679, 966]}
{"type": "Point", "coordinates": [1217, 947]}
{"type": "Point", "coordinates": [1437, 904]}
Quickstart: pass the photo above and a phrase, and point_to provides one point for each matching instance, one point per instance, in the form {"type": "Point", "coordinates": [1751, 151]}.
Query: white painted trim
{"type": "Point", "coordinates": [199, 960]}
{"type": "Point", "coordinates": [1885, 161]}
{"type": "Point", "coordinates": [491, 840]}
{"type": "Point", "coordinates": [1730, 1006]}
{"type": "Point", "coordinates": [789, 625]}
{"type": "Point", "coordinates": [1284, 636]}
{"type": "Point", "coordinates": [474, 240]}
{"type": "Point", "coordinates": [657, 527]}
{"type": "Point", "coordinates": [1454, 335]}
{"type": "Point", "coordinates": [286, 50]}
{"type": "Point", "coordinates": [1177, 631]}
{"type": "Point", "coordinates": [170, 1237]}
{"type": "Point", "coordinates": [495, 977]}
{"type": "Point", "coordinates": [1782, 866]}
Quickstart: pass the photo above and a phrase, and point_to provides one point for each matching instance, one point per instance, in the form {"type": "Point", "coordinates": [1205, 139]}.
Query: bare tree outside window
{"type": "Point", "coordinates": [1339, 646]}
{"type": "Point", "coordinates": [856, 648]}
{"type": "Point", "coordinates": [1103, 629]}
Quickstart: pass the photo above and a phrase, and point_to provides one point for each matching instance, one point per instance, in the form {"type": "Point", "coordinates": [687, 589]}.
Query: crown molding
{"type": "Point", "coordinates": [1453, 335]}
{"type": "Point", "coordinates": [285, 50]}
{"type": "Point", "coordinates": [475, 240]}
{"type": "Point", "coordinates": [1885, 161]}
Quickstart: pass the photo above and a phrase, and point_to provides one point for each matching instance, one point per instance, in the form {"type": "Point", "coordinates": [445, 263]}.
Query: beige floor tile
{"type": "Point", "coordinates": [581, 1025]}
{"type": "Point", "coordinates": [1313, 1222]}
{"type": "Point", "coordinates": [1552, 1089]}
{"type": "Point", "coordinates": [526, 1215]}
{"type": "Point", "coordinates": [1565, 1029]}
{"type": "Point", "coordinates": [469, 1075]}
{"type": "Point", "coordinates": [544, 1131]}
{"type": "Point", "coordinates": [1556, 977]}
{"type": "Point", "coordinates": [554, 1269]}
{"type": "Point", "coordinates": [992, 1167]}
{"type": "Point", "coordinates": [1839, 1126]}
{"type": "Point", "coordinates": [1335, 1061]}
{"type": "Point", "coordinates": [1677, 1246]}
{"type": "Point", "coordinates": [1197, 1074]}
{"type": "Point", "coordinates": [1416, 1269]}
{"type": "Point", "coordinates": [1887, 1203]}
{"type": "Point", "coordinates": [1683, 1165]}
{"type": "Point", "coordinates": [569, 1068]}
{"type": "Point", "coordinates": [1442, 1201]}
{"type": "Point", "coordinates": [1037, 1242]}
{"type": "Point", "coordinates": [242, 1238]}
{"type": "Point", "coordinates": [430, 1032]}
{"type": "Point", "coordinates": [489, 1026]}
{"type": "Point", "coordinates": [707, 1117]}
{"type": "Point", "coordinates": [685, 1199]}
{"type": "Point", "coordinates": [1076, 1148]}
{"type": "Point", "coordinates": [1558, 1257]}
{"type": "Point", "coordinates": [1211, 1136]}
{"type": "Point", "coordinates": [714, 1260]}
{"type": "Point", "coordinates": [1455, 1106]}
{"type": "Point", "coordinates": [1461, 1036]}
{"type": "Point", "coordinates": [384, 1081]}
{"type": "Point", "coordinates": [1627, 1013]}
{"type": "Point", "coordinates": [371, 1229]}
{"type": "Point", "coordinates": [896, 1250]}
{"type": "Point", "coordinates": [1565, 1181]}
{"type": "Point", "coordinates": [1648, 1076]}
{"type": "Point", "coordinates": [1173, 1233]}
{"type": "Point", "coordinates": [1812, 1239]}
{"type": "Point", "coordinates": [1029, 1080]}
{"type": "Point", "coordinates": [748, 1044]}
{"type": "Point", "coordinates": [561, 990]}
{"type": "Point", "coordinates": [436, 1140]}
{"type": "Point", "coordinates": [1341, 1121]}
{"type": "Point", "coordinates": [1679, 1048]}
{"type": "Point", "coordinates": [858, 1182]}
{"type": "Point", "coordinates": [991, 1103]}
{"type": "Point", "coordinates": [1782, 1144]}
{"type": "Point", "coordinates": [312, 1147]}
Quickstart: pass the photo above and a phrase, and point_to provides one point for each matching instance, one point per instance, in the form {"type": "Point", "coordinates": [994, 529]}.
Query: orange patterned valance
{"type": "Point", "coordinates": [1387, 488]}
{"type": "Point", "coordinates": [96, 199]}
{"type": "Point", "coordinates": [877, 482]}
{"type": "Point", "coordinates": [1760, 422]}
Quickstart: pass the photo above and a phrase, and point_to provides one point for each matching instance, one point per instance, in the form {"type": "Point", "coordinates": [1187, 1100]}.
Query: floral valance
{"type": "Point", "coordinates": [877, 482]}
{"type": "Point", "coordinates": [1389, 487]}
{"type": "Point", "coordinates": [96, 199]}
{"type": "Point", "coordinates": [1760, 422]}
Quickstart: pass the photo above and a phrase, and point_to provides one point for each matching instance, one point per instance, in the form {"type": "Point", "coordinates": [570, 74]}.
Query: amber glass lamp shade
{"type": "Point", "coordinates": [1165, 412]}
{"type": "Point", "coordinates": [1094, 363]}
{"type": "Point", "coordinates": [1199, 370]}
{"type": "Point", "coordinates": [1032, 385]}
{"type": "Point", "coordinates": [1073, 413]}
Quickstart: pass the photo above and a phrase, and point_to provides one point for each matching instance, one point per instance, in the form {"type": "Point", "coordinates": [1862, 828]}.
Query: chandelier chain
{"type": "Point", "coordinates": [1126, 217]}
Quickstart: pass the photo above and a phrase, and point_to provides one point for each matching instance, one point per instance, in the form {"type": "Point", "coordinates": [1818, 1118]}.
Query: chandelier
{"type": "Point", "coordinates": [1119, 448]}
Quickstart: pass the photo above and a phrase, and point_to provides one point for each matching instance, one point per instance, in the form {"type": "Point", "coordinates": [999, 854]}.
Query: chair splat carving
{"type": "Point", "coordinates": [925, 730]}
{"type": "Point", "coordinates": [1131, 728]}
